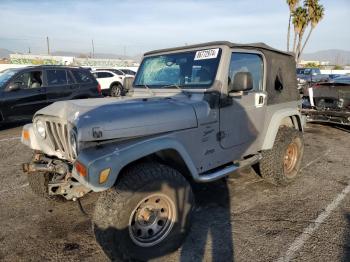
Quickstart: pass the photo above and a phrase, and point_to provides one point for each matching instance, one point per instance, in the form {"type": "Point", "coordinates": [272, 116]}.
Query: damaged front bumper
{"type": "Point", "coordinates": [60, 180]}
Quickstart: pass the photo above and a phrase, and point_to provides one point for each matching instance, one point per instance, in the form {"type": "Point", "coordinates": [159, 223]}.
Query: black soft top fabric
{"type": "Point", "coordinates": [281, 83]}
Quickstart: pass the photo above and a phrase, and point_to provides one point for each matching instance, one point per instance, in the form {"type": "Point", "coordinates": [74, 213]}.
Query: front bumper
{"type": "Point", "coordinates": [60, 182]}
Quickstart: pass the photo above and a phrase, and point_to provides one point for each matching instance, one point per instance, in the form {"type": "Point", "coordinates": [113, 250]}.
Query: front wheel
{"type": "Point", "coordinates": [281, 164]}
{"type": "Point", "coordinates": [146, 215]}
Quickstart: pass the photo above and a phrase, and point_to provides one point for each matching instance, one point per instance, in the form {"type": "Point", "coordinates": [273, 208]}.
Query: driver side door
{"type": "Point", "coordinates": [243, 115]}
{"type": "Point", "coordinates": [22, 102]}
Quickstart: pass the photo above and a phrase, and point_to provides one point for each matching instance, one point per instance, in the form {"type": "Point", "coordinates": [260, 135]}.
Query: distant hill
{"type": "Point", "coordinates": [5, 53]}
{"type": "Point", "coordinates": [334, 56]}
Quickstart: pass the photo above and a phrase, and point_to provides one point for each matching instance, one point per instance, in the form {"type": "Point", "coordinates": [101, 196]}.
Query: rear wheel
{"type": "Point", "coordinates": [116, 90]}
{"type": "Point", "coordinates": [146, 215]}
{"type": "Point", "coordinates": [281, 164]}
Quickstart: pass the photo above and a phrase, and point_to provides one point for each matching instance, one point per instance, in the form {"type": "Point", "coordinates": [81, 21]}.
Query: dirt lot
{"type": "Point", "coordinates": [241, 219]}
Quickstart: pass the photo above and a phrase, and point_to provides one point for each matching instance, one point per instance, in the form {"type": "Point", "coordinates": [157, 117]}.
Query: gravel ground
{"type": "Point", "coordinates": [242, 218]}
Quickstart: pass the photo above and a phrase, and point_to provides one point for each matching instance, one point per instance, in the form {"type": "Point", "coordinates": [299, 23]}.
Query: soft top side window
{"type": "Point", "coordinates": [247, 62]}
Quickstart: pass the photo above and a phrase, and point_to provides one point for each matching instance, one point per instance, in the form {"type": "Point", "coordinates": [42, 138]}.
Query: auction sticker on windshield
{"type": "Point", "coordinates": [206, 54]}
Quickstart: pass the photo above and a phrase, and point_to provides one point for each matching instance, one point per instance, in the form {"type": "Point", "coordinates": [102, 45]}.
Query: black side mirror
{"type": "Point", "coordinates": [14, 86]}
{"type": "Point", "coordinates": [242, 81]}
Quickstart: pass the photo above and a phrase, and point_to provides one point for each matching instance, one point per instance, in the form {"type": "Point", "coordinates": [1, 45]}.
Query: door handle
{"type": "Point", "coordinates": [260, 99]}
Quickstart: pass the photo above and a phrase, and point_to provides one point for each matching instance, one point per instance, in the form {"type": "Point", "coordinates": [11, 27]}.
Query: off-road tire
{"type": "Point", "coordinates": [38, 183]}
{"type": "Point", "coordinates": [111, 218]}
{"type": "Point", "coordinates": [116, 90]}
{"type": "Point", "coordinates": [272, 167]}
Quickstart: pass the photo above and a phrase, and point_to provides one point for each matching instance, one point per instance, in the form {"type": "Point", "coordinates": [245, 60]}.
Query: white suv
{"type": "Point", "coordinates": [111, 81]}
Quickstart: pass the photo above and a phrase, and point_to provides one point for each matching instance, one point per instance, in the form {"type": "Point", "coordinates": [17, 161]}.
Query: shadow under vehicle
{"type": "Point", "coordinates": [328, 102]}
{"type": "Point", "coordinates": [195, 114]}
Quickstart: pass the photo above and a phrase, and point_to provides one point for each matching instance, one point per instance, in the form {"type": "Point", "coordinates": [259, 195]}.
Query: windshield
{"type": "Point", "coordinates": [6, 75]}
{"type": "Point", "coordinates": [194, 69]}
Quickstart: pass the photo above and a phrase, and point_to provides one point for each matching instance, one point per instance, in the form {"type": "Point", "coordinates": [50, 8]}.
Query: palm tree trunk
{"type": "Point", "coordinates": [307, 39]}
{"type": "Point", "coordinates": [288, 35]}
{"type": "Point", "coordinates": [297, 55]}
{"type": "Point", "coordinates": [294, 42]}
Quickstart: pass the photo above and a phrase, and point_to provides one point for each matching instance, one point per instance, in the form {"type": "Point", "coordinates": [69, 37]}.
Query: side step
{"type": "Point", "coordinates": [208, 177]}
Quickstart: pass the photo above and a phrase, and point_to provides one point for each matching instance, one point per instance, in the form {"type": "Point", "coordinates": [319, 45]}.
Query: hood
{"type": "Point", "coordinates": [111, 118]}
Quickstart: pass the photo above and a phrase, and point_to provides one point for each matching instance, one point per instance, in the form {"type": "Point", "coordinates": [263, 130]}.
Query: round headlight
{"type": "Point", "coordinates": [73, 143]}
{"type": "Point", "coordinates": [40, 128]}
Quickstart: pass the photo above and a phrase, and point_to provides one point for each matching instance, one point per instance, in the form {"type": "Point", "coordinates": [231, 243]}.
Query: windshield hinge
{"type": "Point", "coordinates": [220, 135]}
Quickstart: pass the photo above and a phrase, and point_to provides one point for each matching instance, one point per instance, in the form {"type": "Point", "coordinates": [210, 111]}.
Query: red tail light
{"type": "Point", "coordinates": [99, 89]}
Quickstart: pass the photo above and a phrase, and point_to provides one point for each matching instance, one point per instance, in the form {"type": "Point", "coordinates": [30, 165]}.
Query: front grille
{"type": "Point", "coordinates": [59, 138]}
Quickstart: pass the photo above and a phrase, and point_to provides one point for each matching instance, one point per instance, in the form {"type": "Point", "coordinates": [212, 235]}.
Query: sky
{"type": "Point", "coordinates": [133, 27]}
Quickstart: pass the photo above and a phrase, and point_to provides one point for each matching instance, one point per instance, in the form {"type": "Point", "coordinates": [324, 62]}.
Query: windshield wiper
{"type": "Point", "coordinates": [148, 89]}
{"type": "Point", "coordinates": [172, 85]}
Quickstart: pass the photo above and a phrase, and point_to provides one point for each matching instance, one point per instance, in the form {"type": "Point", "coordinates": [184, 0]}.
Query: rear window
{"type": "Point", "coordinates": [56, 77]}
{"type": "Point", "coordinates": [104, 75]}
{"type": "Point", "coordinates": [82, 76]}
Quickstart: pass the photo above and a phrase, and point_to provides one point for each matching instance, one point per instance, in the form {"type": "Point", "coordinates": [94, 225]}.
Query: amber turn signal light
{"type": "Point", "coordinates": [81, 169]}
{"type": "Point", "coordinates": [104, 175]}
{"type": "Point", "coordinates": [25, 135]}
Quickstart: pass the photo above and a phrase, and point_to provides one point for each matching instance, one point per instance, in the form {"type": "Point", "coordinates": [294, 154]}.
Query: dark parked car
{"type": "Point", "coordinates": [311, 75]}
{"type": "Point", "coordinates": [23, 91]}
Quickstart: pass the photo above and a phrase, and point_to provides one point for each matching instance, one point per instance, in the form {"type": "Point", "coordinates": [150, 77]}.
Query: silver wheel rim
{"type": "Point", "coordinates": [152, 220]}
{"type": "Point", "coordinates": [116, 91]}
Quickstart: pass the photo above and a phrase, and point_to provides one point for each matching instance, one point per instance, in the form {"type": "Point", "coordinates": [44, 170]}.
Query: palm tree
{"type": "Point", "coordinates": [300, 22]}
{"type": "Point", "coordinates": [316, 13]}
{"type": "Point", "coordinates": [292, 6]}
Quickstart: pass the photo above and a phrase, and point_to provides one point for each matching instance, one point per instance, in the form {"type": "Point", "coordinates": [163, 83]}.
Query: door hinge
{"type": "Point", "coordinates": [220, 135]}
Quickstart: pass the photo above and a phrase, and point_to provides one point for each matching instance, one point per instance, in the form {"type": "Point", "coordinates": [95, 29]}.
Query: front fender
{"type": "Point", "coordinates": [117, 156]}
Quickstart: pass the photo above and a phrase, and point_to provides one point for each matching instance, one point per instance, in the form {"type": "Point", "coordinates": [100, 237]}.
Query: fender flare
{"type": "Point", "coordinates": [276, 121]}
{"type": "Point", "coordinates": [115, 83]}
{"type": "Point", "coordinates": [118, 158]}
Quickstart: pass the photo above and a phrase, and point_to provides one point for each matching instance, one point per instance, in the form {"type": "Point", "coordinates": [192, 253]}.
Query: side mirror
{"type": "Point", "coordinates": [14, 86]}
{"type": "Point", "coordinates": [242, 81]}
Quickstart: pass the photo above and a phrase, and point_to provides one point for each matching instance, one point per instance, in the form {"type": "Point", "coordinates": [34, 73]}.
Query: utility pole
{"type": "Point", "coordinates": [48, 45]}
{"type": "Point", "coordinates": [93, 48]}
{"type": "Point", "coordinates": [29, 50]}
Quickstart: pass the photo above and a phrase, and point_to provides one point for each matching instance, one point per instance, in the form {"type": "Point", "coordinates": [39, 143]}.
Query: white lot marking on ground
{"type": "Point", "coordinates": [15, 188]}
{"type": "Point", "coordinates": [10, 138]}
{"type": "Point", "coordinates": [315, 160]}
{"type": "Point", "coordinates": [300, 240]}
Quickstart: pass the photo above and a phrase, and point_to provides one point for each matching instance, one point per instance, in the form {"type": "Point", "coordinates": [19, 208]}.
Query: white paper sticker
{"type": "Point", "coordinates": [206, 54]}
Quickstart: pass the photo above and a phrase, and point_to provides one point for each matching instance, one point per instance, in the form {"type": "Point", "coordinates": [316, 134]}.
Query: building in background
{"type": "Point", "coordinates": [315, 62]}
{"type": "Point", "coordinates": [28, 59]}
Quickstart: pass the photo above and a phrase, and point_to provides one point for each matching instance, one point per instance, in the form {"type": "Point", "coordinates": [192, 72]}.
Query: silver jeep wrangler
{"type": "Point", "coordinates": [194, 114]}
